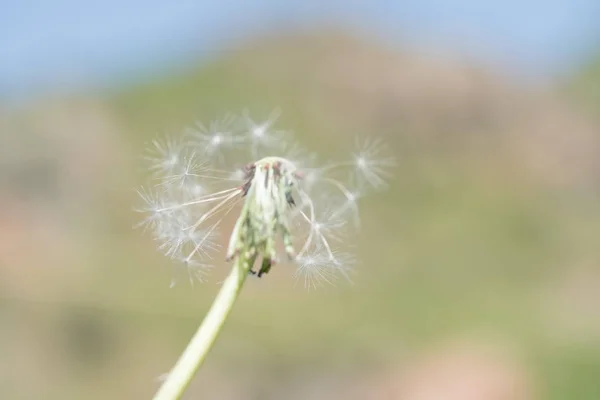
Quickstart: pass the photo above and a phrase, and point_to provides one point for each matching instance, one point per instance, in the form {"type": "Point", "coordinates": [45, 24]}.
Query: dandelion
{"type": "Point", "coordinates": [288, 210]}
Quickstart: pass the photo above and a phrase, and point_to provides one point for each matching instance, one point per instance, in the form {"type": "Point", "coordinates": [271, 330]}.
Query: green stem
{"type": "Point", "coordinates": [181, 375]}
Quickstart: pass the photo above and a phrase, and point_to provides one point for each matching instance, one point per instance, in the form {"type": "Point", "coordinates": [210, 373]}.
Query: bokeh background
{"type": "Point", "coordinates": [480, 272]}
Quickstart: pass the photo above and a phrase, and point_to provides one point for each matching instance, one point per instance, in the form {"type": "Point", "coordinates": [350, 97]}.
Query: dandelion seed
{"type": "Point", "coordinates": [214, 140]}
{"type": "Point", "coordinates": [262, 137]}
{"type": "Point", "coordinates": [371, 164]}
{"type": "Point", "coordinates": [322, 266]}
{"type": "Point", "coordinates": [164, 155]}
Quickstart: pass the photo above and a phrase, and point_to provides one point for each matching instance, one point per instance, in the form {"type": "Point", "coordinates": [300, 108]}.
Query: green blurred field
{"type": "Point", "coordinates": [488, 233]}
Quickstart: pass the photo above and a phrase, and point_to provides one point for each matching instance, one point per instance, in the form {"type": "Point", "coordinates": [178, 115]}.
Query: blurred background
{"type": "Point", "coordinates": [480, 272]}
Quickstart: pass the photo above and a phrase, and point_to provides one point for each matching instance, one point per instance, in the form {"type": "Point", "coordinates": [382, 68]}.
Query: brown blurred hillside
{"type": "Point", "coordinates": [584, 87]}
{"type": "Point", "coordinates": [489, 229]}
{"type": "Point", "coordinates": [449, 108]}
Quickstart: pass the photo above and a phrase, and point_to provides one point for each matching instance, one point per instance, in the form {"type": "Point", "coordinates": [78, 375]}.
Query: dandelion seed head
{"type": "Point", "coordinates": [274, 189]}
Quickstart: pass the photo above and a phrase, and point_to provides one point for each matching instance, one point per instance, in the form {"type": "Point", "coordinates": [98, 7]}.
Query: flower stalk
{"type": "Point", "coordinates": [194, 355]}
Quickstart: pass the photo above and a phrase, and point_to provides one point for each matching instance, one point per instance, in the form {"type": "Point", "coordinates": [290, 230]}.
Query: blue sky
{"type": "Point", "coordinates": [59, 44]}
